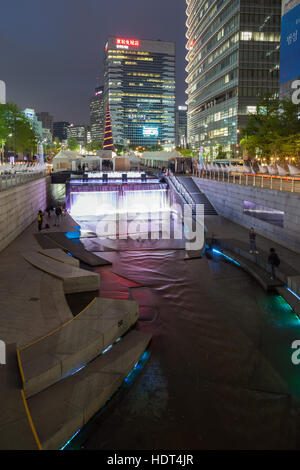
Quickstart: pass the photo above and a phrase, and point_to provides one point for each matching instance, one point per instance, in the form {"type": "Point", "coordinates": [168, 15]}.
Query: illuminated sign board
{"type": "Point", "coordinates": [127, 42]}
{"type": "Point", "coordinates": [150, 131]}
{"type": "Point", "coordinates": [290, 45]}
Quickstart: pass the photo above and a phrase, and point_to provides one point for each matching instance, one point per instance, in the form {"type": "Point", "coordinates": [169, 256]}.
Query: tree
{"type": "Point", "coordinates": [73, 144]}
{"type": "Point", "coordinates": [274, 130]}
{"type": "Point", "coordinates": [16, 130]}
{"type": "Point", "coordinates": [94, 146]}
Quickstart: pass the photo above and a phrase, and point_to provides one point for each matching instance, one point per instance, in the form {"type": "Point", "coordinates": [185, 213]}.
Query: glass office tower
{"type": "Point", "coordinates": [97, 115]}
{"type": "Point", "coordinates": [290, 48]}
{"type": "Point", "coordinates": [139, 85]}
{"type": "Point", "coordinates": [233, 57]}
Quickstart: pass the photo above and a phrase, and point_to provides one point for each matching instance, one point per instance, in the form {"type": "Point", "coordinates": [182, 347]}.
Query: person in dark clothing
{"type": "Point", "coordinates": [58, 213]}
{"type": "Point", "coordinates": [40, 220]}
{"type": "Point", "coordinates": [252, 241]}
{"type": "Point", "coordinates": [48, 210]}
{"type": "Point", "coordinates": [273, 261]}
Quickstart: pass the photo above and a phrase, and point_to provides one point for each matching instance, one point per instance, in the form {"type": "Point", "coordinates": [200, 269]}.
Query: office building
{"type": "Point", "coordinates": [290, 48]}
{"type": "Point", "coordinates": [79, 133]}
{"type": "Point", "coordinates": [2, 92]}
{"type": "Point", "coordinates": [181, 127]}
{"type": "Point", "coordinates": [97, 115]}
{"type": "Point", "coordinates": [60, 130]}
{"type": "Point", "coordinates": [233, 57]}
{"type": "Point", "coordinates": [47, 120]}
{"type": "Point", "coordinates": [36, 125]}
{"type": "Point", "coordinates": [139, 85]}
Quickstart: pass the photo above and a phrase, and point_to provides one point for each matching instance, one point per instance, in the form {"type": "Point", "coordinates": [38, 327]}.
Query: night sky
{"type": "Point", "coordinates": [51, 51]}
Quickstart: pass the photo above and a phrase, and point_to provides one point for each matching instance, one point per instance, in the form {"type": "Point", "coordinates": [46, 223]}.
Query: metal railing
{"type": "Point", "coordinates": [18, 179]}
{"type": "Point", "coordinates": [277, 183]}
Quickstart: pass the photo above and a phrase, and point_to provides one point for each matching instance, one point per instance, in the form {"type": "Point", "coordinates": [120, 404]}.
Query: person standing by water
{"type": "Point", "coordinates": [58, 213]}
{"type": "Point", "coordinates": [252, 241]}
{"type": "Point", "coordinates": [40, 219]}
{"type": "Point", "coordinates": [273, 261]}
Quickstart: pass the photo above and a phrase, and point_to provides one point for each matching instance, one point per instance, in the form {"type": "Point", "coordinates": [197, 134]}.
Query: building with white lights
{"type": "Point", "coordinates": [233, 57]}
{"type": "Point", "coordinates": [2, 92]}
{"type": "Point", "coordinates": [97, 115]}
{"type": "Point", "coordinates": [139, 85]}
{"type": "Point", "coordinates": [181, 127]}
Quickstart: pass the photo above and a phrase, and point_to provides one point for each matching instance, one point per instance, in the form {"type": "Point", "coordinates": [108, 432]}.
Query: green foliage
{"type": "Point", "coordinates": [73, 144]}
{"type": "Point", "coordinates": [94, 146]}
{"type": "Point", "coordinates": [16, 130]}
{"type": "Point", "coordinates": [221, 155]}
{"type": "Point", "coordinates": [274, 131]}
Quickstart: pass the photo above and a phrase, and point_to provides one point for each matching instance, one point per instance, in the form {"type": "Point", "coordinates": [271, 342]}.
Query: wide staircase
{"type": "Point", "coordinates": [197, 196]}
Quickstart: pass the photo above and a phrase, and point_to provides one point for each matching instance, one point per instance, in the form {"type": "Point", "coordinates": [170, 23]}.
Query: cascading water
{"type": "Point", "coordinates": [139, 200]}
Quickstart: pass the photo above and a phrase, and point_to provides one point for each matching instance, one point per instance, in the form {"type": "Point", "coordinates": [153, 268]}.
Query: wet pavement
{"type": "Point", "coordinates": [219, 374]}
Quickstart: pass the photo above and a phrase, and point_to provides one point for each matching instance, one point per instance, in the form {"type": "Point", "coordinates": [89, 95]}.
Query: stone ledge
{"type": "Point", "coordinates": [75, 279]}
{"type": "Point", "coordinates": [61, 410]}
{"type": "Point", "coordinates": [73, 345]}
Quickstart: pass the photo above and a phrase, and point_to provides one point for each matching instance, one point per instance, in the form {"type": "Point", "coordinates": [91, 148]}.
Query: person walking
{"type": "Point", "coordinates": [273, 261]}
{"type": "Point", "coordinates": [40, 219]}
{"type": "Point", "coordinates": [252, 241]}
{"type": "Point", "coordinates": [58, 213]}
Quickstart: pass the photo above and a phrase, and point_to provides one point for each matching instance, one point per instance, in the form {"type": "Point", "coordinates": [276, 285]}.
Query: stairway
{"type": "Point", "coordinates": [198, 197]}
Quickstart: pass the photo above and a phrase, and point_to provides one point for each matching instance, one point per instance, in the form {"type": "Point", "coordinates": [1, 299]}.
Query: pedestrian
{"type": "Point", "coordinates": [273, 261]}
{"type": "Point", "coordinates": [48, 210]}
{"type": "Point", "coordinates": [40, 219]}
{"type": "Point", "coordinates": [58, 213]}
{"type": "Point", "coordinates": [252, 241]}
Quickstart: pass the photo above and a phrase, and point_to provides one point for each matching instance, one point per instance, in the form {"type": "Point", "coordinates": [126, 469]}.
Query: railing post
{"type": "Point", "coordinates": [240, 178]}
{"type": "Point", "coordinates": [293, 185]}
{"type": "Point", "coordinates": [280, 184]}
{"type": "Point", "coordinates": [254, 180]}
{"type": "Point", "coordinates": [271, 182]}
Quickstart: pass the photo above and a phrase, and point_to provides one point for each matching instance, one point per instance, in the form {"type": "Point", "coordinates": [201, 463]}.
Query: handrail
{"type": "Point", "coordinates": [18, 179]}
{"type": "Point", "coordinates": [272, 182]}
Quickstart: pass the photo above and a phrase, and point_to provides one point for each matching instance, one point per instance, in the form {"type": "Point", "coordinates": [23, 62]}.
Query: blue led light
{"type": "Point", "coordinates": [225, 256]}
{"type": "Point", "coordinates": [292, 292]}
{"type": "Point", "coordinates": [70, 440]}
{"type": "Point", "coordinates": [107, 349]}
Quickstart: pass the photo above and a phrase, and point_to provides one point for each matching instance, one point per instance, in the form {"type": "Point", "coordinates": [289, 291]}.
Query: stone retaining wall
{"type": "Point", "coordinates": [228, 199]}
{"type": "Point", "coordinates": [19, 207]}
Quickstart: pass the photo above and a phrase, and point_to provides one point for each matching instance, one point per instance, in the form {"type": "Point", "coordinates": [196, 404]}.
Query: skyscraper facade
{"type": "Point", "coordinates": [46, 119]}
{"type": "Point", "coordinates": [60, 130]}
{"type": "Point", "coordinates": [181, 127]}
{"type": "Point", "coordinates": [233, 57]}
{"type": "Point", "coordinates": [290, 48]}
{"type": "Point", "coordinates": [97, 115]}
{"type": "Point", "coordinates": [139, 85]}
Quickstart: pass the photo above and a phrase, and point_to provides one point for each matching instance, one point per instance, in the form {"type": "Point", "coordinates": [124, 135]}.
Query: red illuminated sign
{"type": "Point", "coordinates": [128, 42]}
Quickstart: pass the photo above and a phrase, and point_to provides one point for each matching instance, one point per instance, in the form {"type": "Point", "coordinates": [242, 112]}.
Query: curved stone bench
{"type": "Point", "coordinates": [61, 410]}
{"type": "Point", "coordinates": [75, 279]}
{"type": "Point", "coordinates": [59, 255]}
{"type": "Point", "coordinates": [71, 346]}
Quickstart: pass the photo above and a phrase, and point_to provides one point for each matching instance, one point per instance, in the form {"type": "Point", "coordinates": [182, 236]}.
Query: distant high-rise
{"type": "Point", "coordinates": [97, 115]}
{"type": "Point", "coordinates": [290, 47]}
{"type": "Point", "coordinates": [46, 119]}
{"type": "Point", "coordinates": [2, 92]}
{"type": "Point", "coordinates": [79, 133]}
{"type": "Point", "coordinates": [233, 57]}
{"type": "Point", "coordinates": [139, 85]}
{"type": "Point", "coordinates": [60, 130]}
{"type": "Point", "coordinates": [181, 127]}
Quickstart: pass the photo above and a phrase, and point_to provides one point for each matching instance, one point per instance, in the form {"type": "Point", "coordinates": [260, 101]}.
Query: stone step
{"type": "Point", "coordinates": [63, 409]}
{"type": "Point", "coordinates": [73, 345]}
{"type": "Point", "coordinates": [59, 255]}
{"type": "Point", "coordinates": [75, 279]}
